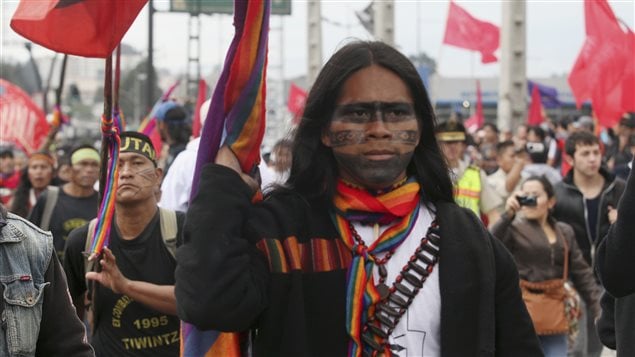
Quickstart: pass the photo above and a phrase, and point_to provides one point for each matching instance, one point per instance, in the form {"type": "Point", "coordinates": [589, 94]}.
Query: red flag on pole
{"type": "Point", "coordinates": [601, 71]}
{"type": "Point", "coordinates": [89, 28]}
{"type": "Point", "coordinates": [628, 81]}
{"type": "Point", "coordinates": [535, 116]}
{"type": "Point", "coordinates": [22, 122]}
{"type": "Point", "coordinates": [295, 102]}
{"type": "Point", "coordinates": [476, 121]}
{"type": "Point", "coordinates": [464, 31]}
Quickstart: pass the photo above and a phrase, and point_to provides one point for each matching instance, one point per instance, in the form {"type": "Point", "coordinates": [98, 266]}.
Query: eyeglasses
{"type": "Point", "coordinates": [362, 113]}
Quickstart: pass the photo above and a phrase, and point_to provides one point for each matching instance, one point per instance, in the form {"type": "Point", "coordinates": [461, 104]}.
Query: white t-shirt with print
{"type": "Point", "coordinates": [419, 330]}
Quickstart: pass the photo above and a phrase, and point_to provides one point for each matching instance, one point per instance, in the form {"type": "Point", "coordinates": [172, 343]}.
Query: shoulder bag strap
{"type": "Point", "coordinates": [565, 275]}
{"type": "Point", "coordinates": [52, 193]}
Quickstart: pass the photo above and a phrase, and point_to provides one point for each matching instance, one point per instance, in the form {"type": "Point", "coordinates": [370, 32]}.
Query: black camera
{"type": "Point", "coordinates": [529, 201]}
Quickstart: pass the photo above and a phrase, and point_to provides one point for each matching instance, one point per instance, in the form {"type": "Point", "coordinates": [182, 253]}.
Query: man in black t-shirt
{"type": "Point", "coordinates": [76, 201]}
{"type": "Point", "coordinates": [133, 303]}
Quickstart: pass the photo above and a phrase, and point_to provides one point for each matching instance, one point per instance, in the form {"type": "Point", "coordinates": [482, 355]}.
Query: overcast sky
{"type": "Point", "coordinates": [555, 34]}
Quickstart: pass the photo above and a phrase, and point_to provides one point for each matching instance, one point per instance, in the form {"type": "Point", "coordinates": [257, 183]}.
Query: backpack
{"type": "Point", "coordinates": [169, 230]}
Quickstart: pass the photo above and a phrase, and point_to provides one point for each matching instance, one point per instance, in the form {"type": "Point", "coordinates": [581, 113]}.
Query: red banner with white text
{"type": "Point", "coordinates": [22, 123]}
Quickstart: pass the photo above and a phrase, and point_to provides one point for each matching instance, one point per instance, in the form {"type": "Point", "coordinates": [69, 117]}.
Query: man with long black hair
{"type": "Point", "coordinates": [363, 249]}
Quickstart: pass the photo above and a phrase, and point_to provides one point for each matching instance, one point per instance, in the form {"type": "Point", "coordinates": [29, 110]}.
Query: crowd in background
{"type": "Point", "coordinates": [532, 162]}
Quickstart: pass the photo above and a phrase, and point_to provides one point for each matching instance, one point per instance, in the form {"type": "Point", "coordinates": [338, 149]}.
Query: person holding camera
{"type": "Point", "coordinates": [547, 255]}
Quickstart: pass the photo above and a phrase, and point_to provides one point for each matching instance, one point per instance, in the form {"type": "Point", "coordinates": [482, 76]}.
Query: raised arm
{"type": "Point", "coordinates": [221, 277]}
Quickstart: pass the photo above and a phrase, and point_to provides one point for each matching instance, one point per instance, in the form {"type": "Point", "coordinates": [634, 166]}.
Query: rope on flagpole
{"type": "Point", "coordinates": [110, 129]}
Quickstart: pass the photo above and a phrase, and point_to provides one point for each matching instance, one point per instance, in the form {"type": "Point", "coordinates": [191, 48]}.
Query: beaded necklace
{"type": "Point", "coordinates": [395, 300]}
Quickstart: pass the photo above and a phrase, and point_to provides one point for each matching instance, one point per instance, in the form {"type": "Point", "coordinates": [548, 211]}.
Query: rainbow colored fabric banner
{"type": "Point", "coordinates": [236, 118]}
{"type": "Point", "coordinates": [237, 111]}
{"type": "Point", "coordinates": [110, 128]}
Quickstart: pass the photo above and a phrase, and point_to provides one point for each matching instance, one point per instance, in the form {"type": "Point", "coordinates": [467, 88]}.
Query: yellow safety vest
{"type": "Point", "coordinates": [467, 192]}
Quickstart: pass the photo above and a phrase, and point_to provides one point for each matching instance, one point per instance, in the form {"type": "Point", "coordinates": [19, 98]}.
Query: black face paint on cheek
{"type": "Point", "coordinates": [355, 137]}
{"type": "Point", "coordinates": [346, 137]}
{"type": "Point", "coordinates": [147, 174]}
{"type": "Point", "coordinates": [375, 174]}
{"type": "Point", "coordinates": [405, 136]}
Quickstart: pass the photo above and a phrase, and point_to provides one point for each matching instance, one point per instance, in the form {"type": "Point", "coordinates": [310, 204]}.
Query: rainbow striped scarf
{"type": "Point", "coordinates": [236, 118]}
{"type": "Point", "coordinates": [353, 204]}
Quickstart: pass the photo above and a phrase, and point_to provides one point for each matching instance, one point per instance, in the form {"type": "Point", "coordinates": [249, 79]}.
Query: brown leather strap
{"type": "Point", "coordinates": [565, 274]}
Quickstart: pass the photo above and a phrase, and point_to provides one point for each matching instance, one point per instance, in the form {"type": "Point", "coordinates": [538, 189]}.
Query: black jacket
{"type": "Point", "coordinates": [570, 208]}
{"type": "Point", "coordinates": [615, 266]}
{"type": "Point", "coordinates": [230, 278]}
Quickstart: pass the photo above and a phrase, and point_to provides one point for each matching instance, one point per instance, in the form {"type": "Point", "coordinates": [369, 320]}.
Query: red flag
{"type": "Point", "coordinates": [202, 95]}
{"type": "Point", "coordinates": [535, 116]}
{"type": "Point", "coordinates": [601, 71]}
{"type": "Point", "coordinates": [90, 28]}
{"type": "Point", "coordinates": [628, 82]}
{"type": "Point", "coordinates": [476, 121]}
{"type": "Point", "coordinates": [463, 30]}
{"type": "Point", "coordinates": [23, 123]}
{"type": "Point", "coordinates": [295, 102]}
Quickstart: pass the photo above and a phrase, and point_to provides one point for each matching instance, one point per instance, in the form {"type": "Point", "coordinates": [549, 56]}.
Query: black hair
{"type": "Point", "coordinates": [20, 203]}
{"type": "Point", "coordinates": [502, 146]}
{"type": "Point", "coordinates": [492, 126]}
{"type": "Point", "coordinates": [6, 153]}
{"type": "Point", "coordinates": [314, 169]}
{"type": "Point", "coordinates": [579, 138]}
{"type": "Point", "coordinates": [178, 124]}
{"type": "Point", "coordinates": [538, 131]}
{"type": "Point", "coordinates": [546, 185]}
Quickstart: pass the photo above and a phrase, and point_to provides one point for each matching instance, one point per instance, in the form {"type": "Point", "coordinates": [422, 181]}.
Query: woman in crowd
{"type": "Point", "coordinates": [39, 173]}
{"type": "Point", "coordinates": [538, 244]}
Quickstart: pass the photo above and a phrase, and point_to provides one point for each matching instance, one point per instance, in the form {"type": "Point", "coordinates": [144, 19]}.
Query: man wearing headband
{"type": "Point", "coordinates": [471, 189]}
{"type": "Point", "coordinates": [74, 203]}
{"type": "Point", "coordinates": [133, 305]}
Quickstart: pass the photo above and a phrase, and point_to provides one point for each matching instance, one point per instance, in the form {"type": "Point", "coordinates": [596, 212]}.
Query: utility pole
{"type": "Point", "coordinates": [193, 71]}
{"type": "Point", "coordinates": [384, 22]}
{"type": "Point", "coordinates": [314, 40]}
{"type": "Point", "coordinates": [512, 99]}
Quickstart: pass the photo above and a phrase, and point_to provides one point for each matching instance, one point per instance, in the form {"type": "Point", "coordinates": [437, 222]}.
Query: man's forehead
{"type": "Point", "coordinates": [129, 156]}
{"type": "Point", "coordinates": [587, 147]}
{"type": "Point", "coordinates": [87, 162]}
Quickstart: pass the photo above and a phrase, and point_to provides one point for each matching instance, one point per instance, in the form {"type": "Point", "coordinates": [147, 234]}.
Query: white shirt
{"type": "Point", "coordinates": [419, 330]}
{"type": "Point", "coordinates": [177, 184]}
